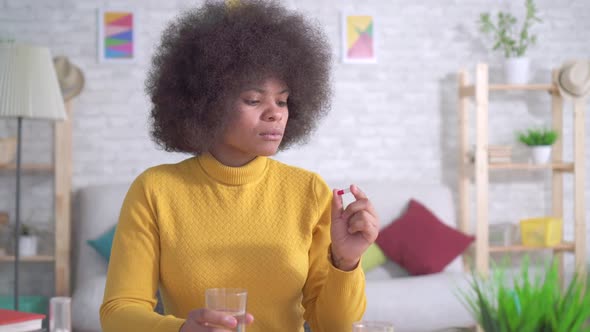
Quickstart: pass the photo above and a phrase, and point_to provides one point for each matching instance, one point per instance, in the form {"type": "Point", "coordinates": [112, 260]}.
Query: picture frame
{"type": "Point", "coordinates": [359, 38]}
{"type": "Point", "coordinates": [117, 35]}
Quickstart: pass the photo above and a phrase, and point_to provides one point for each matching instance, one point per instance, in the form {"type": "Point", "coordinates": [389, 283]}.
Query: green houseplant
{"type": "Point", "coordinates": [512, 41]}
{"type": "Point", "coordinates": [26, 230]}
{"type": "Point", "coordinates": [536, 137]}
{"type": "Point", "coordinates": [539, 141]}
{"type": "Point", "coordinates": [538, 305]}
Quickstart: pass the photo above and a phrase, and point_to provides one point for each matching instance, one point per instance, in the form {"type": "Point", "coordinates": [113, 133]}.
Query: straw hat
{"type": "Point", "coordinates": [70, 77]}
{"type": "Point", "coordinates": [573, 79]}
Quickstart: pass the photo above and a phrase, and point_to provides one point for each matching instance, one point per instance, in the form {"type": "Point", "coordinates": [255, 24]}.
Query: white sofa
{"type": "Point", "coordinates": [412, 303]}
{"type": "Point", "coordinates": [96, 210]}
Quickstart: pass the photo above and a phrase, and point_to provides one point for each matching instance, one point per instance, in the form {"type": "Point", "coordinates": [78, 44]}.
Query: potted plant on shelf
{"type": "Point", "coordinates": [27, 243]}
{"type": "Point", "coordinates": [540, 141]}
{"type": "Point", "coordinates": [532, 303]}
{"type": "Point", "coordinates": [512, 42]}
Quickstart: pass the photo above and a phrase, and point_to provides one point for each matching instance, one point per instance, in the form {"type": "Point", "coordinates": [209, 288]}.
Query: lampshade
{"type": "Point", "coordinates": [28, 83]}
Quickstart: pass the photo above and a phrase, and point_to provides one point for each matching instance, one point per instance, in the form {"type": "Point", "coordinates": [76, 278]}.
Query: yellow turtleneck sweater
{"type": "Point", "coordinates": [199, 224]}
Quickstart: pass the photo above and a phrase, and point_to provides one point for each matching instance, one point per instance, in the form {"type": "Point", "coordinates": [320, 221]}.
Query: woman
{"type": "Point", "coordinates": [232, 85]}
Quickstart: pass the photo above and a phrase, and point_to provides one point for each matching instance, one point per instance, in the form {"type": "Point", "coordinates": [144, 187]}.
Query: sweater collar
{"type": "Point", "coordinates": [232, 175]}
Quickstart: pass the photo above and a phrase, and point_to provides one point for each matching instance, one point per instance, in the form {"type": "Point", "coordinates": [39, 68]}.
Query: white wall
{"type": "Point", "coordinates": [395, 119]}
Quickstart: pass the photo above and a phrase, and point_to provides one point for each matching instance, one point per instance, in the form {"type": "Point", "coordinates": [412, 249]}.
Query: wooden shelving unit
{"type": "Point", "coordinates": [479, 168]}
{"type": "Point", "coordinates": [61, 169]}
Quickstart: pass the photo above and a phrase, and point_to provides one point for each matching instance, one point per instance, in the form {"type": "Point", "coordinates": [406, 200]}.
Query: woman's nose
{"type": "Point", "coordinates": [273, 113]}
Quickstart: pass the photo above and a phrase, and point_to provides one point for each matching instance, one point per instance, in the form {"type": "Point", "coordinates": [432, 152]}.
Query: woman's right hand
{"type": "Point", "coordinates": [201, 320]}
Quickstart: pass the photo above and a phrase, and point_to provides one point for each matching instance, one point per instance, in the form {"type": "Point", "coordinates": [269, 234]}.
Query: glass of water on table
{"type": "Point", "coordinates": [229, 300]}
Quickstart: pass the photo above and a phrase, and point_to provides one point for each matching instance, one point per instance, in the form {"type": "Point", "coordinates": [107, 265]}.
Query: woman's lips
{"type": "Point", "coordinates": [272, 136]}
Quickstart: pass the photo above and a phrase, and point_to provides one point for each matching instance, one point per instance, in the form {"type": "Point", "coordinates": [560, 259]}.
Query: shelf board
{"type": "Point", "coordinates": [567, 246]}
{"type": "Point", "coordinates": [29, 168]}
{"type": "Point", "coordinates": [30, 259]}
{"type": "Point", "coordinates": [559, 166]}
{"type": "Point", "coordinates": [469, 90]}
{"type": "Point", "coordinates": [526, 87]}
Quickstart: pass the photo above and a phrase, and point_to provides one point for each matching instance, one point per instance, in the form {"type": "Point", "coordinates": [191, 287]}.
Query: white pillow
{"type": "Point", "coordinates": [86, 303]}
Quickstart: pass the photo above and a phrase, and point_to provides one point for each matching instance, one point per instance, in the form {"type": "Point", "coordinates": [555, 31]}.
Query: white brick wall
{"type": "Point", "coordinates": [395, 119]}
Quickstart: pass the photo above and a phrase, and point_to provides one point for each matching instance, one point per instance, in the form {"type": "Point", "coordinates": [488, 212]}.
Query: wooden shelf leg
{"type": "Point", "coordinates": [464, 181]}
{"type": "Point", "coordinates": [579, 184]}
{"type": "Point", "coordinates": [557, 156]}
{"type": "Point", "coordinates": [481, 170]}
{"type": "Point", "coordinates": [63, 179]}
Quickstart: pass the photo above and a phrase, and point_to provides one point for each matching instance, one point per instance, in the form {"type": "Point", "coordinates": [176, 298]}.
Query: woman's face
{"type": "Point", "coordinates": [256, 124]}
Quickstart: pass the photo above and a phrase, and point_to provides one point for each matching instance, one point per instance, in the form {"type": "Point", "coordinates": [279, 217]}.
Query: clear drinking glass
{"type": "Point", "coordinates": [60, 314]}
{"type": "Point", "coordinates": [372, 326]}
{"type": "Point", "coordinates": [229, 300]}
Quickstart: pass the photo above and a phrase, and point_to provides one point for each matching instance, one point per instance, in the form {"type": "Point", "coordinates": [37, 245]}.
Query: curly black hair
{"type": "Point", "coordinates": [209, 53]}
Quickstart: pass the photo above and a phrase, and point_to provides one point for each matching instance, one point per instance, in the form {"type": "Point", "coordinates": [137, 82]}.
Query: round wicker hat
{"type": "Point", "coordinates": [70, 77]}
{"type": "Point", "coordinates": [573, 79]}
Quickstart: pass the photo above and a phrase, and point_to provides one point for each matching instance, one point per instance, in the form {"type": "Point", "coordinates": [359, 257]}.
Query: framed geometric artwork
{"type": "Point", "coordinates": [117, 35]}
{"type": "Point", "coordinates": [359, 40]}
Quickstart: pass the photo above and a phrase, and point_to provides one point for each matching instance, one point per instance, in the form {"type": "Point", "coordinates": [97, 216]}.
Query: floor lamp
{"type": "Point", "coordinates": [29, 89]}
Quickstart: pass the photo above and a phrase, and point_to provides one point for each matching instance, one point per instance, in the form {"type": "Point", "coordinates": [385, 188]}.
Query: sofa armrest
{"type": "Point", "coordinates": [86, 302]}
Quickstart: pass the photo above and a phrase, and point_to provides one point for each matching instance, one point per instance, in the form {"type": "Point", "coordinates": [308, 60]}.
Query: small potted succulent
{"type": "Point", "coordinates": [27, 243]}
{"type": "Point", "coordinates": [539, 141]}
{"type": "Point", "coordinates": [511, 41]}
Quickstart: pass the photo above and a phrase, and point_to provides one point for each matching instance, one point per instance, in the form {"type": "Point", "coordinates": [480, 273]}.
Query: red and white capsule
{"type": "Point", "coordinates": [343, 191]}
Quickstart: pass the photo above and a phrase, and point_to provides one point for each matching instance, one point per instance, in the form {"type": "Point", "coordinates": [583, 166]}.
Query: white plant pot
{"type": "Point", "coordinates": [516, 70]}
{"type": "Point", "coordinates": [27, 246]}
{"type": "Point", "coordinates": [541, 154]}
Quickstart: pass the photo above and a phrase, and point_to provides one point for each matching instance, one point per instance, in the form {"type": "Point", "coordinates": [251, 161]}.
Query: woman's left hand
{"type": "Point", "coordinates": [353, 230]}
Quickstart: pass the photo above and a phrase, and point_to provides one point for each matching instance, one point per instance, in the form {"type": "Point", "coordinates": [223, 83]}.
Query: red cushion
{"type": "Point", "coordinates": [420, 242]}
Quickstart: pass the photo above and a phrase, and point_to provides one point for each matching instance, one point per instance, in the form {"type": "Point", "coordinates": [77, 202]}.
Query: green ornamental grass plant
{"type": "Point", "coordinates": [537, 137]}
{"type": "Point", "coordinates": [539, 305]}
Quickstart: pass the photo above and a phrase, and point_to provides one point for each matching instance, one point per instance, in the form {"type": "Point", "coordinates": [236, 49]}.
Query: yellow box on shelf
{"type": "Point", "coordinates": [542, 231]}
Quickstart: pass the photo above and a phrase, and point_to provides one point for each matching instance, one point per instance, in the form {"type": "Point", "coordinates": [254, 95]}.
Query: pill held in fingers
{"type": "Point", "coordinates": [343, 191]}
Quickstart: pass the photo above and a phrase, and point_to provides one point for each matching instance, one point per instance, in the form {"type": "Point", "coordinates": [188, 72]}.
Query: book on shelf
{"type": "Point", "coordinates": [500, 154]}
{"type": "Point", "coordinates": [497, 154]}
{"type": "Point", "coordinates": [499, 147]}
{"type": "Point", "coordinates": [493, 159]}
{"type": "Point", "coordinates": [18, 321]}
{"type": "Point", "coordinates": [499, 160]}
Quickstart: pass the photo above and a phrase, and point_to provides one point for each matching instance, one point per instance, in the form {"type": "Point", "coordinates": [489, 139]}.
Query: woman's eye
{"type": "Point", "coordinates": [282, 103]}
{"type": "Point", "coordinates": [251, 102]}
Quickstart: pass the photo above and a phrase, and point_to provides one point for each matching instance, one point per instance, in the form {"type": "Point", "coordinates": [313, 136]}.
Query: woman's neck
{"type": "Point", "coordinates": [230, 159]}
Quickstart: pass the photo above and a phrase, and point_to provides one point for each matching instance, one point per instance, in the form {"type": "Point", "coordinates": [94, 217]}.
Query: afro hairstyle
{"type": "Point", "coordinates": [208, 54]}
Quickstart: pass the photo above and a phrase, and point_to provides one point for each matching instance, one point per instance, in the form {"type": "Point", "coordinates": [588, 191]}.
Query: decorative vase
{"type": "Point", "coordinates": [516, 70]}
{"type": "Point", "coordinates": [541, 154]}
{"type": "Point", "coordinates": [27, 245]}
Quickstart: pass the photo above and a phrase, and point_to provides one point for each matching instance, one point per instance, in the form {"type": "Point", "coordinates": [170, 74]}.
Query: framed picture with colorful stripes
{"type": "Point", "coordinates": [117, 35]}
{"type": "Point", "coordinates": [359, 38]}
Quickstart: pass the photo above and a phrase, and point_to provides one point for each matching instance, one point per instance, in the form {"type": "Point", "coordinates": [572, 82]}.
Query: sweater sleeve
{"type": "Point", "coordinates": [333, 299]}
{"type": "Point", "coordinates": [132, 278]}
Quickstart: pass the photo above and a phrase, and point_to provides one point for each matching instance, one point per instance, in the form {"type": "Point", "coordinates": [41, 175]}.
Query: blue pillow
{"type": "Point", "coordinates": [103, 243]}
